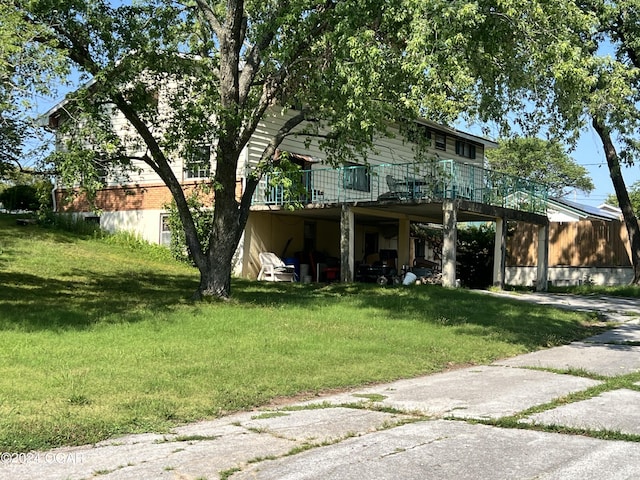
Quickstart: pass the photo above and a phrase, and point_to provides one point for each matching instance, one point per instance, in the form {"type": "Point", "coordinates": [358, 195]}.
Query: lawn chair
{"type": "Point", "coordinates": [398, 190]}
{"type": "Point", "coordinates": [273, 269]}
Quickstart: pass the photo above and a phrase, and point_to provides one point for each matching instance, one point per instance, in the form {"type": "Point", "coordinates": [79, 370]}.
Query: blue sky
{"type": "Point", "coordinates": [590, 154]}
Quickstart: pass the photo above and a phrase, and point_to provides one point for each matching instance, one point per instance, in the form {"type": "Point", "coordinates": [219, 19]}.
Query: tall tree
{"type": "Point", "coordinates": [613, 101]}
{"type": "Point", "coordinates": [543, 161]}
{"type": "Point", "coordinates": [348, 67]}
{"type": "Point", "coordinates": [570, 81]}
{"type": "Point", "coordinates": [27, 69]}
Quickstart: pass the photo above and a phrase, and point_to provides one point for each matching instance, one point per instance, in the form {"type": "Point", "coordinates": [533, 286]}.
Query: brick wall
{"type": "Point", "coordinates": [112, 199]}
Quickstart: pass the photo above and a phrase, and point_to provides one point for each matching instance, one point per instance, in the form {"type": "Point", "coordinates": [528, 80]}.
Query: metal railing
{"type": "Point", "coordinates": [429, 181]}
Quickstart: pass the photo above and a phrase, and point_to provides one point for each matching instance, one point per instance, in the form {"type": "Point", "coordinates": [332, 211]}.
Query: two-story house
{"type": "Point", "coordinates": [345, 216]}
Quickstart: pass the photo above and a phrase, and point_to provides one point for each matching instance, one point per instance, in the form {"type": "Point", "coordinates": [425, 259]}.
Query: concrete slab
{"type": "Point", "coordinates": [478, 392]}
{"type": "Point", "coordinates": [201, 450]}
{"type": "Point", "coordinates": [618, 309]}
{"type": "Point", "coordinates": [617, 411]}
{"type": "Point", "coordinates": [322, 425]}
{"type": "Point", "coordinates": [148, 458]}
{"type": "Point", "coordinates": [628, 333]}
{"type": "Point", "coordinates": [607, 360]}
{"type": "Point", "coordinates": [456, 450]}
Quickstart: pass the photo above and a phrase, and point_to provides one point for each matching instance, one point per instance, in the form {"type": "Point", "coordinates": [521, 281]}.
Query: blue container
{"type": "Point", "coordinates": [296, 263]}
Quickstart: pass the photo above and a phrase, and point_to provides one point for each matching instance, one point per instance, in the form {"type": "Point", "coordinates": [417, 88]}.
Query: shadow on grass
{"type": "Point", "coordinates": [468, 312]}
{"type": "Point", "coordinates": [29, 302]}
{"type": "Point", "coordinates": [35, 232]}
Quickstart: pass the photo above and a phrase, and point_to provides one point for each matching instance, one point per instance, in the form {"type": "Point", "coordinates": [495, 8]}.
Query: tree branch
{"type": "Point", "coordinates": [210, 17]}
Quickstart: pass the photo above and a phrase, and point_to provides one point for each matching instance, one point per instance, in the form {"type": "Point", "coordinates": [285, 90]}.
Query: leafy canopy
{"type": "Point", "coordinates": [540, 160]}
{"type": "Point", "coordinates": [634, 197]}
{"type": "Point", "coordinates": [28, 69]}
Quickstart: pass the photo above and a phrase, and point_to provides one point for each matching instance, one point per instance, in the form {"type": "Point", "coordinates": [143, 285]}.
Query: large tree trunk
{"type": "Point", "coordinates": [630, 219]}
{"type": "Point", "coordinates": [229, 220]}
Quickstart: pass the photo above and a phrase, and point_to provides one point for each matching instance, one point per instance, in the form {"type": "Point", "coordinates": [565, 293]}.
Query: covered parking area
{"type": "Point", "coordinates": [346, 219]}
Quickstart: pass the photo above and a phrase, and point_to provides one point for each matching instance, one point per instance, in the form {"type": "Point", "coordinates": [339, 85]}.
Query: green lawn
{"type": "Point", "coordinates": [98, 337]}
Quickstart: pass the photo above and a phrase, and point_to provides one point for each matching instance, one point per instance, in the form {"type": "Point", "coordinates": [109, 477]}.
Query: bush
{"type": "Point", "coordinates": [203, 219]}
{"type": "Point", "coordinates": [475, 256]}
{"type": "Point", "coordinates": [32, 197]}
{"type": "Point", "coordinates": [20, 197]}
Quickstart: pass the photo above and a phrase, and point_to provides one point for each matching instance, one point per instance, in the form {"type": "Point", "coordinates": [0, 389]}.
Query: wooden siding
{"type": "Point", "coordinates": [592, 243]}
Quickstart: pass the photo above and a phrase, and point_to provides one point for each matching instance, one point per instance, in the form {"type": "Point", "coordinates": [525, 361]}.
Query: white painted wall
{"type": "Point", "coordinates": [564, 276]}
{"type": "Point", "coordinates": [144, 223]}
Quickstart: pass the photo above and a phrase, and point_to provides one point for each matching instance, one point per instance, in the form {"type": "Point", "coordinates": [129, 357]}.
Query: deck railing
{"type": "Point", "coordinates": [432, 181]}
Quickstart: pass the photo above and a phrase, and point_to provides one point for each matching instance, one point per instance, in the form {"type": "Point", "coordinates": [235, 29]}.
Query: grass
{"type": "Point", "coordinates": [628, 381]}
{"type": "Point", "coordinates": [99, 338]}
{"type": "Point", "coordinates": [630, 291]}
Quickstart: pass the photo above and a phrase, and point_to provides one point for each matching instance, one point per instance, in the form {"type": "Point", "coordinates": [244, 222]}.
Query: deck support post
{"type": "Point", "coordinates": [543, 258]}
{"type": "Point", "coordinates": [450, 236]}
{"type": "Point", "coordinates": [347, 243]}
{"type": "Point", "coordinates": [499, 253]}
{"type": "Point", "coordinates": [404, 239]}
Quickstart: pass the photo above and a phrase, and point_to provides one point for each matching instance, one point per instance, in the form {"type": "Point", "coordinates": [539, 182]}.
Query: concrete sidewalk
{"type": "Point", "coordinates": [434, 427]}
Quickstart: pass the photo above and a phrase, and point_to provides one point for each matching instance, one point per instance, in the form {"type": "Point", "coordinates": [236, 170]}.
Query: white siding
{"type": "Point", "coordinates": [394, 149]}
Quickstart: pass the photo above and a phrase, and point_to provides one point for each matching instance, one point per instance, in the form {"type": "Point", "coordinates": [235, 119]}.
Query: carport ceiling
{"type": "Point", "coordinates": [373, 212]}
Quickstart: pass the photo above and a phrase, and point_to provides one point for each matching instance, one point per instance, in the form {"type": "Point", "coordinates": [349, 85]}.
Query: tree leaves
{"type": "Point", "coordinates": [542, 161]}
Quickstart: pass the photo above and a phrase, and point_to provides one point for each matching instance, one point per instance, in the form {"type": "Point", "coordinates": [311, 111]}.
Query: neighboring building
{"type": "Point", "coordinates": [586, 245]}
{"type": "Point", "coordinates": [345, 214]}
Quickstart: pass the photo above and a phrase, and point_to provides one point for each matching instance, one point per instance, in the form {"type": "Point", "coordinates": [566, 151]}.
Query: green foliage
{"type": "Point", "coordinates": [630, 291]}
{"type": "Point", "coordinates": [634, 197]}
{"type": "Point", "coordinates": [28, 70]}
{"type": "Point", "coordinates": [542, 161]}
{"type": "Point", "coordinates": [287, 181]}
{"type": "Point", "coordinates": [20, 197]}
{"type": "Point", "coordinates": [111, 346]}
{"type": "Point", "coordinates": [203, 219]}
{"type": "Point", "coordinates": [75, 224]}
{"type": "Point", "coordinates": [475, 251]}
{"type": "Point", "coordinates": [133, 243]}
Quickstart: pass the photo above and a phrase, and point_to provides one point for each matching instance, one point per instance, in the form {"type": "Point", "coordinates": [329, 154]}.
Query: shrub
{"type": "Point", "coordinates": [20, 197]}
{"type": "Point", "coordinates": [475, 255]}
{"type": "Point", "coordinates": [203, 219]}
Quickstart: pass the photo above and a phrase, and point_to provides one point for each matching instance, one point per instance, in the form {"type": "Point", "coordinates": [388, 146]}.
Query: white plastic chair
{"type": "Point", "coordinates": [273, 269]}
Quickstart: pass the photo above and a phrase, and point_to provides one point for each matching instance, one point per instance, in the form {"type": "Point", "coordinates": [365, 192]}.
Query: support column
{"type": "Point", "coordinates": [347, 241]}
{"type": "Point", "coordinates": [450, 235]}
{"type": "Point", "coordinates": [404, 242]}
{"type": "Point", "coordinates": [543, 258]}
{"type": "Point", "coordinates": [499, 253]}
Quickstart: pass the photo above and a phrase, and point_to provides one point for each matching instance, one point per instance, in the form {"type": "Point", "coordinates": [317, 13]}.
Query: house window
{"type": "Point", "coordinates": [465, 149]}
{"type": "Point", "coordinates": [198, 162]}
{"type": "Point", "coordinates": [440, 141]}
{"type": "Point", "coordinates": [356, 177]}
{"type": "Point", "coordinates": [165, 230]}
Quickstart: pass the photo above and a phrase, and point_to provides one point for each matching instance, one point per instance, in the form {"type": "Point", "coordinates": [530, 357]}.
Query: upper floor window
{"type": "Point", "coordinates": [465, 149]}
{"type": "Point", "coordinates": [356, 177]}
{"type": "Point", "coordinates": [437, 139]}
{"type": "Point", "coordinates": [198, 162]}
